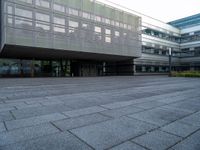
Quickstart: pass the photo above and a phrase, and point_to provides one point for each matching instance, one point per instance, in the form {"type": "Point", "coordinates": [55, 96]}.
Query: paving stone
{"type": "Point", "coordinates": [71, 123]}
{"type": "Point", "coordinates": [149, 105]}
{"type": "Point", "coordinates": [6, 109]}
{"type": "Point", "coordinates": [2, 127]}
{"type": "Point", "coordinates": [37, 111]}
{"type": "Point", "coordinates": [5, 116]}
{"type": "Point", "coordinates": [180, 129]}
{"type": "Point", "coordinates": [186, 105]}
{"type": "Point", "coordinates": [26, 133]}
{"type": "Point", "coordinates": [157, 140]}
{"type": "Point", "coordinates": [190, 143]}
{"type": "Point", "coordinates": [58, 141]}
{"type": "Point", "coordinates": [159, 116]}
{"type": "Point", "coordinates": [193, 119]}
{"type": "Point", "coordinates": [117, 104]}
{"type": "Point", "coordinates": [107, 134]}
{"type": "Point", "coordinates": [121, 111]}
{"type": "Point", "coordinates": [28, 106]}
{"type": "Point", "coordinates": [14, 124]}
{"type": "Point", "coordinates": [84, 111]}
{"type": "Point", "coordinates": [128, 146]}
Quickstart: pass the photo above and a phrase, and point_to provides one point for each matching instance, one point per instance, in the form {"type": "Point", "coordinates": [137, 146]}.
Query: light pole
{"type": "Point", "coordinates": [170, 62]}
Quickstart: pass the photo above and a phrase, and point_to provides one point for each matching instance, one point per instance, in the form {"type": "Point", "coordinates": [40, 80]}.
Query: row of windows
{"type": "Point", "coordinates": [161, 35]}
{"type": "Point", "coordinates": [157, 51]}
{"type": "Point", "coordinates": [71, 11]}
{"type": "Point", "coordinates": [191, 52]}
{"type": "Point", "coordinates": [151, 69]}
{"type": "Point", "coordinates": [191, 38]}
{"type": "Point", "coordinates": [73, 26]}
{"type": "Point", "coordinates": [98, 34]}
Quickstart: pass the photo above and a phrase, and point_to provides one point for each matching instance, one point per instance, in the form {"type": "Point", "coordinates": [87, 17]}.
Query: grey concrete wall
{"type": "Point", "coordinates": [30, 31]}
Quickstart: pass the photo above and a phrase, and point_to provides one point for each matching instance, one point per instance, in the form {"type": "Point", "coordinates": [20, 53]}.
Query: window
{"type": "Point", "coordinates": [117, 33]}
{"type": "Point", "coordinates": [121, 25]}
{"type": "Point", "coordinates": [10, 10]}
{"type": "Point", "coordinates": [73, 24]}
{"type": "Point", "coordinates": [10, 20]}
{"type": "Point", "coordinates": [73, 12]}
{"type": "Point", "coordinates": [58, 20]}
{"type": "Point", "coordinates": [84, 25]}
{"type": "Point", "coordinates": [42, 26]}
{"type": "Point", "coordinates": [117, 24]}
{"type": "Point", "coordinates": [97, 33]}
{"type": "Point", "coordinates": [97, 29]}
{"type": "Point", "coordinates": [58, 7]}
{"type": "Point", "coordinates": [107, 21]}
{"type": "Point", "coordinates": [98, 18]}
{"type": "Point", "coordinates": [42, 17]}
{"type": "Point", "coordinates": [125, 26]}
{"type": "Point", "coordinates": [23, 13]}
{"type": "Point", "coordinates": [108, 32]}
{"type": "Point", "coordinates": [129, 27]}
{"type": "Point", "coordinates": [23, 23]}
{"type": "Point", "coordinates": [59, 29]}
{"type": "Point", "coordinates": [26, 1]}
{"type": "Point", "coordinates": [43, 3]}
{"type": "Point", "coordinates": [86, 15]}
{"type": "Point", "coordinates": [108, 39]}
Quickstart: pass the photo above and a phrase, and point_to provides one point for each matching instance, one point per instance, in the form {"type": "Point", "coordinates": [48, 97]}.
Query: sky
{"type": "Point", "coordinates": [164, 10]}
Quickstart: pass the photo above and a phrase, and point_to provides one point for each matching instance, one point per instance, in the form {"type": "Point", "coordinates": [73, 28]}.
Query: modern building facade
{"type": "Point", "coordinates": [90, 38]}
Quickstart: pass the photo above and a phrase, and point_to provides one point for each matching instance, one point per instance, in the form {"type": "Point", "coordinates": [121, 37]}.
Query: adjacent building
{"type": "Point", "coordinates": [91, 38]}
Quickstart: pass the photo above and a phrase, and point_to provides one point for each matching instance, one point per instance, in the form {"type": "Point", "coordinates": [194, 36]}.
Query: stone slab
{"type": "Point", "coordinates": [157, 140]}
{"type": "Point", "coordinates": [58, 141]}
{"type": "Point", "coordinates": [121, 111]}
{"type": "Point", "coordinates": [72, 123]}
{"type": "Point", "coordinates": [84, 111]}
{"type": "Point", "coordinates": [180, 129]}
{"type": "Point", "coordinates": [23, 134]}
{"type": "Point", "coordinates": [128, 146]}
{"type": "Point", "coordinates": [107, 134]}
{"type": "Point", "coordinates": [14, 124]}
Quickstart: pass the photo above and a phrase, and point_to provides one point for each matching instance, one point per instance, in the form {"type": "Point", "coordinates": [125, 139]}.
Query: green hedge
{"type": "Point", "coordinates": [186, 74]}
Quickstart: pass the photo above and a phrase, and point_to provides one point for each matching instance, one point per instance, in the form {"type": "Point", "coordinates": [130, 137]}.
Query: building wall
{"type": "Point", "coordinates": [75, 25]}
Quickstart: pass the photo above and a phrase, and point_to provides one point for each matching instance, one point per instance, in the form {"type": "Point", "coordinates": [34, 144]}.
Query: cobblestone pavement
{"type": "Point", "coordinates": [118, 113]}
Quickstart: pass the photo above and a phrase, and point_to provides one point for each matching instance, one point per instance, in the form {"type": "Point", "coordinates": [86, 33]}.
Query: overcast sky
{"type": "Point", "coordinates": [164, 10]}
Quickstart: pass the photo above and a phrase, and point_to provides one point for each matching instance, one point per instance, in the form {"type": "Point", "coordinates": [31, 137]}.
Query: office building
{"type": "Point", "coordinates": [91, 38]}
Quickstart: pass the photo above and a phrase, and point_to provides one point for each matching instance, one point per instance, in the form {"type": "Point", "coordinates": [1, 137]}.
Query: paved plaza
{"type": "Point", "coordinates": [115, 113]}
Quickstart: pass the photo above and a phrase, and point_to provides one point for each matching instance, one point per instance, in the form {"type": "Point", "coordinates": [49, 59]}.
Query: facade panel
{"type": "Point", "coordinates": [71, 25]}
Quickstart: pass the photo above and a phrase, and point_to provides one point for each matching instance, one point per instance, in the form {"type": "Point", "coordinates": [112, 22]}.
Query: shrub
{"type": "Point", "coordinates": [186, 74]}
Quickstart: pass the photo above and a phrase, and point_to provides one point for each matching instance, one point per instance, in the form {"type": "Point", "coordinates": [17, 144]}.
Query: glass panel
{"type": "Point", "coordinates": [58, 20]}
{"type": "Point", "coordinates": [108, 32]}
{"type": "Point", "coordinates": [10, 10]}
{"type": "Point", "coordinates": [23, 13]}
{"type": "Point", "coordinates": [59, 29]}
{"type": "Point", "coordinates": [43, 3]}
{"type": "Point", "coordinates": [58, 7]}
{"type": "Point", "coordinates": [73, 24]}
{"type": "Point", "coordinates": [86, 15]}
{"type": "Point", "coordinates": [23, 23]}
{"type": "Point", "coordinates": [108, 39]}
{"type": "Point", "coordinates": [27, 1]}
{"type": "Point", "coordinates": [97, 29]}
{"type": "Point", "coordinates": [73, 12]}
{"type": "Point", "coordinates": [42, 17]}
{"type": "Point", "coordinates": [42, 27]}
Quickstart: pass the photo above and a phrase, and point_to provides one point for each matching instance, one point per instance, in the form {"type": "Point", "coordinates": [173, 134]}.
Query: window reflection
{"type": "Point", "coordinates": [43, 3]}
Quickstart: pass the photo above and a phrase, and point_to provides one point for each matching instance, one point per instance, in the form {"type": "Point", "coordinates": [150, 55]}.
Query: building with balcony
{"type": "Point", "coordinates": [91, 38]}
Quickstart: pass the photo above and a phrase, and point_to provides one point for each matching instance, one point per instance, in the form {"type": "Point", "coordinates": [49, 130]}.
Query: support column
{"type": "Point", "coordinates": [32, 68]}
